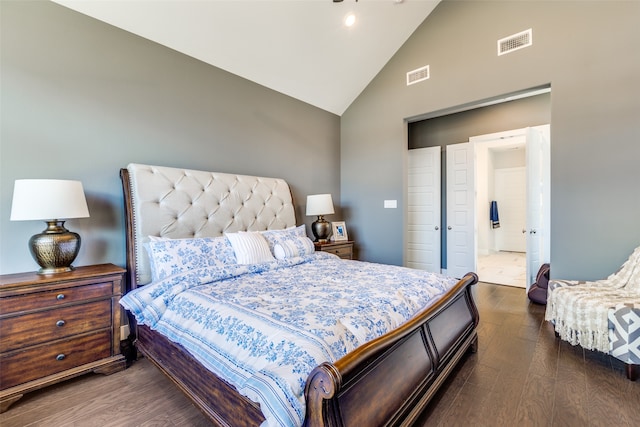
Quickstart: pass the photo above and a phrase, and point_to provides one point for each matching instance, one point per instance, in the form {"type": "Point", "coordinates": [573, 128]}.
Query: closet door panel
{"type": "Point", "coordinates": [461, 257]}
{"type": "Point", "coordinates": [423, 209]}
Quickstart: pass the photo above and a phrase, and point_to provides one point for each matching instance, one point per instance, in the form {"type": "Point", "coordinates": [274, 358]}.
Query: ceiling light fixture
{"type": "Point", "coordinates": [349, 20]}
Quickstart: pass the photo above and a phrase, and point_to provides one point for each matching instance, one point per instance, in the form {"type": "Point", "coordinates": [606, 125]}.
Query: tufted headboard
{"type": "Point", "coordinates": [182, 203]}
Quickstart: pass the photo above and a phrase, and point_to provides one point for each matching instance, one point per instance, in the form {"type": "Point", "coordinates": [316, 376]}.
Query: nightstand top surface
{"type": "Point", "coordinates": [339, 242]}
{"type": "Point", "coordinates": [32, 277]}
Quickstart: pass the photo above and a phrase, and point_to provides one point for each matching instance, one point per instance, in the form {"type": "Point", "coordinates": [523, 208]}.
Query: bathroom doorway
{"type": "Point", "coordinates": [511, 184]}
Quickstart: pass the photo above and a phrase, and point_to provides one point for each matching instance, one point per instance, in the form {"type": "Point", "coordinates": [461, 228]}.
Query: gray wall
{"type": "Point", "coordinates": [81, 99]}
{"type": "Point", "coordinates": [586, 51]}
{"type": "Point", "coordinates": [460, 126]}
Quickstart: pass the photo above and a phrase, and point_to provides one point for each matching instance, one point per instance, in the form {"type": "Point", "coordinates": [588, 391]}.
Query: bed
{"type": "Point", "coordinates": [385, 380]}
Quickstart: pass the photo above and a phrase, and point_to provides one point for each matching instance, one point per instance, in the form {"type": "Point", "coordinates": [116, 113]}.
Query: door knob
{"type": "Point", "coordinates": [524, 231]}
{"type": "Point", "coordinates": [449, 228]}
{"type": "Point", "coordinates": [532, 232]}
{"type": "Point", "coordinates": [437, 228]}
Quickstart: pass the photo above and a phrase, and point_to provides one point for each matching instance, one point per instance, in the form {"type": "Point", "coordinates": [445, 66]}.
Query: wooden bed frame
{"type": "Point", "coordinates": [387, 381]}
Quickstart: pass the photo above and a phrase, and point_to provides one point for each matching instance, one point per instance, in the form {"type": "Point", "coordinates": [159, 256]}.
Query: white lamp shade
{"type": "Point", "coordinates": [319, 204]}
{"type": "Point", "coordinates": [48, 199]}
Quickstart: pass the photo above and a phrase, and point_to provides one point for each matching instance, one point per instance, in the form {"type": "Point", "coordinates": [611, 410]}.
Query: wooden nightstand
{"type": "Point", "coordinates": [343, 249]}
{"type": "Point", "coordinates": [55, 327]}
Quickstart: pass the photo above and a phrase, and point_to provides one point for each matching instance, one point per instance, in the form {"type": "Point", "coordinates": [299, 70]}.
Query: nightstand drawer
{"type": "Point", "coordinates": [54, 298]}
{"type": "Point", "coordinates": [36, 362]}
{"type": "Point", "coordinates": [35, 328]}
{"type": "Point", "coordinates": [341, 251]}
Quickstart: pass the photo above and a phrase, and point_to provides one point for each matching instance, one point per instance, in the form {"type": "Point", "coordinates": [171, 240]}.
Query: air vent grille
{"type": "Point", "coordinates": [515, 42]}
{"type": "Point", "coordinates": [418, 75]}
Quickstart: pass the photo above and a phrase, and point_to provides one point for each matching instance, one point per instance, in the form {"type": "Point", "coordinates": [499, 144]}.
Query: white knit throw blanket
{"type": "Point", "coordinates": [579, 310]}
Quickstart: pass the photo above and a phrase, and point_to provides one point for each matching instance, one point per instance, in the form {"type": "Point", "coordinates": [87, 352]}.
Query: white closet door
{"type": "Point", "coordinates": [461, 244]}
{"type": "Point", "coordinates": [423, 209]}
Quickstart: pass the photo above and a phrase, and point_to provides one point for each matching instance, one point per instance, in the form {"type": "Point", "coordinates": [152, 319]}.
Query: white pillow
{"type": "Point", "coordinates": [250, 247]}
{"type": "Point", "coordinates": [293, 247]}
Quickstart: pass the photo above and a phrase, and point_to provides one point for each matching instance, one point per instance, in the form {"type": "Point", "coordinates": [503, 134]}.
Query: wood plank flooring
{"type": "Point", "coordinates": [521, 376]}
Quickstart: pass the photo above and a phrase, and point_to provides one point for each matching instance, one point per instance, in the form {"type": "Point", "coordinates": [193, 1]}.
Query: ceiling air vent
{"type": "Point", "coordinates": [418, 75]}
{"type": "Point", "coordinates": [515, 42]}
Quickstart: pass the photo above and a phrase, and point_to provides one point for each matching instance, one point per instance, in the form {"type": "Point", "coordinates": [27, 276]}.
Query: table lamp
{"type": "Point", "coordinates": [320, 205]}
{"type": "Point", "coordinates": [53, 201]}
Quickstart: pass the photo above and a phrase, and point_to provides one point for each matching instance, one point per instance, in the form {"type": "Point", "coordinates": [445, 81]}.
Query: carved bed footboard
{"type": "Point", "coordinates": [390, 380]}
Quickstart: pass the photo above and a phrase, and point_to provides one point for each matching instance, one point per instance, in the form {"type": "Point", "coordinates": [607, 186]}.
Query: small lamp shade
{"type": "Point", "coordinates": [320, 204]}
{"type": "Point", "coordinates": [53, 201]}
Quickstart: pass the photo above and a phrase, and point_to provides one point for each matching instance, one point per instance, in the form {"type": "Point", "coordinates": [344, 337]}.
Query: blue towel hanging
{"type": "Point", "coordinates": [493, 215]}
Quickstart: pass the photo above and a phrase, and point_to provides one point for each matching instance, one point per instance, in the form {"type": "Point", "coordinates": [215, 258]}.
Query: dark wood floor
{"type": "Point", "coordinates": [521, 376]}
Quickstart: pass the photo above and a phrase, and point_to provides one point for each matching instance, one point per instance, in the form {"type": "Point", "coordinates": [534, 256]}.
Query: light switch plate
{"type": "Point", "coordinates": [390, 204]}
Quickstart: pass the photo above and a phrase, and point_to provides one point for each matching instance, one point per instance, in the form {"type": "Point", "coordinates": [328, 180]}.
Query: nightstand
{"type": "Point", "coordinates": [58, 326]}
{"type": "Point", "coordinates": [344, 249]}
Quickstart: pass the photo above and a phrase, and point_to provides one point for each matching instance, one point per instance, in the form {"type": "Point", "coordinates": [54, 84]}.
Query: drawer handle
{"type": "Point", "coordinates": [60, 357]}
{"type": "Point", "coordinates": [60, 296]}
{"type": "Point", "coordinates": [60, 323]}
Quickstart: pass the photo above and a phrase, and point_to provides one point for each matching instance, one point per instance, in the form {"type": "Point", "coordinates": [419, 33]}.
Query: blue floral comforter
{"type": "Point", "coordinates": [264, 327]}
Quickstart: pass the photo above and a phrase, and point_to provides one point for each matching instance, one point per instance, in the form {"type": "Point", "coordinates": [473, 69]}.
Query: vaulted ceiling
{"type": "Point", "coordinates": [301, 48]}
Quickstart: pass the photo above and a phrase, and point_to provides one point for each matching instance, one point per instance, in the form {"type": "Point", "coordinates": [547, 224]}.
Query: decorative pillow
{"type": "Point", "coordinates": [171, 256]}
{"type": "Point", "coordinates": [295, 246]}
{"type": "Point", "coordinates": [275, 237]}
{"type": "Point", "coordinates": [250, 247]}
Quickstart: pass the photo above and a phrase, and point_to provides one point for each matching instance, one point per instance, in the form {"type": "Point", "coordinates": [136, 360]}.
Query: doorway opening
{"type": "Point", "coordinates": [501, 189]}
{"type": "Point", "coordinates": [512, 204]}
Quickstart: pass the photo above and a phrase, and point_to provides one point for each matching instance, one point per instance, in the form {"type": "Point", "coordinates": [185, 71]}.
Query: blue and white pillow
{"type": "Point", "coordinates": [293, 247]}
{"type": "Point", "coordinates": [172, 256]}
{"type": "Point", "coordinates": [275, 237]}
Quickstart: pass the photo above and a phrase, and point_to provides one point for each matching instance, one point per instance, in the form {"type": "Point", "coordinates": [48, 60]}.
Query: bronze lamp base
{"type": "Point", "coordinates": [321, 229]}
{"type": "Point", "coordinates": [55, 248]}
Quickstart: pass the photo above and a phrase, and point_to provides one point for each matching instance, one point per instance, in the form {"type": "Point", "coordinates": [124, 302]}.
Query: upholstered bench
{"type": "Point", "coordinates": [602, 315]}
{"type": "Point", "coordinates": [624, 336]}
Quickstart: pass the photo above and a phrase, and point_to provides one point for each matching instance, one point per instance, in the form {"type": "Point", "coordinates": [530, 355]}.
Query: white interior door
{"type": "Point", "coordinates": [461, 245]}
{"type": "Point", "coordinates": [538, 200]}
{"type": "Point", "coordinates": [423, 209]}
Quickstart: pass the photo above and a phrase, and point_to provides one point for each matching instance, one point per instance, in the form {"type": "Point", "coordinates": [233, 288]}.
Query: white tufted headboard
{"type": "Point", "coordinates": [181, 203]}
